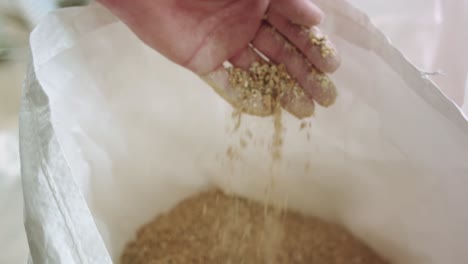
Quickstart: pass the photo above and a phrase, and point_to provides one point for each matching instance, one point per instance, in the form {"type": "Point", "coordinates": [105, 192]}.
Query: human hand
{"type": "Point", "coordinates": [203, 34]}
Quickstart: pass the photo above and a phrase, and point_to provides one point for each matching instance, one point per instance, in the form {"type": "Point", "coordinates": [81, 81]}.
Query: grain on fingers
{"type": "Point", "coordinates": [315, 83]}
{"type": "Point", "coordinates": [316, 47]}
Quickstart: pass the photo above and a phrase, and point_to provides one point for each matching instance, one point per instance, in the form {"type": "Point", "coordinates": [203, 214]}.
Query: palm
{"type": "Point", "coordinates": [185, 31]}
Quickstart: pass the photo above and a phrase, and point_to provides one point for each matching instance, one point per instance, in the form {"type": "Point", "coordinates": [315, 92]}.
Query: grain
{"type": "Point", "coordinates": [265, 87]}
{"type": "Point", "coordinates": [322, 43]}
{"type": "Point", "coordinates": [214, 228]}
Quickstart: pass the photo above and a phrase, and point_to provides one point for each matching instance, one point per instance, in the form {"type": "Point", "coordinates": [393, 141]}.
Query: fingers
{"type": "Point", "coordinates": [296, 102]}
{"type": "Point", "coordinates": [325, 94]}
{"type": "Point", "coordinates": [316, 85]}
{"type": "Point", "coordinates": [302, 12]}
{"type": "Point", "coordinates": [311, 42]}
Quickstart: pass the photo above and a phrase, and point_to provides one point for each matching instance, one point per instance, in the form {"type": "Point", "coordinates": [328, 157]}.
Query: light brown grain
{"type": "Point", "coordinates": [213, 228]}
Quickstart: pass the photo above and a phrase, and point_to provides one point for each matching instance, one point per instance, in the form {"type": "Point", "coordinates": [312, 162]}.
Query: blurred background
{"type": "Point", "coordinates": [431, 33]}
{"type": "Point", "coordinates": [17, 19]}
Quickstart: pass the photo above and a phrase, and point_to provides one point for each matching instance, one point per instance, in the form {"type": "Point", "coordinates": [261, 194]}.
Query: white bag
{"type": "Point", "coordinates": [112, 134]}
{"type": "Point", "coordinates": [428, 32]}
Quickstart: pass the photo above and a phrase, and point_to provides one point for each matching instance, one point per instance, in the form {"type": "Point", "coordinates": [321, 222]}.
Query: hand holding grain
{"type": "Point", "coordinates": [203, 34]}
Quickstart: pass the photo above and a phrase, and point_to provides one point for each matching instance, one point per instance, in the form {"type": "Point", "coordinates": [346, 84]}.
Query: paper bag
{"type": "Point", "coordinates": [113, 134]}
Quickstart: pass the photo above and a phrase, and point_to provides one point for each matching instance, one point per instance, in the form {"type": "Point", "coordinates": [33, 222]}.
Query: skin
{"type": "Point", "coordinates": [202, 34]}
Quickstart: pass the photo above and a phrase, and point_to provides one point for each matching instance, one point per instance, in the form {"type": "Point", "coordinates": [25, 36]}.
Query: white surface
{"type": "Point", "coordinates": [372, 159]}
{"type": "Point", "coordinates": [13, 242]}
{"type": "Point", "coordinates": [431, 33]}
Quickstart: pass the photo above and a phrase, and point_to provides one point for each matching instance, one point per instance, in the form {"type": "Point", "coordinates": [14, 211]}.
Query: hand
{"type": "Point", "coordinates": [202, 34]}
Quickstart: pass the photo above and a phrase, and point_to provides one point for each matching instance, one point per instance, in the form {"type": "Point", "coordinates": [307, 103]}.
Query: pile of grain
{"type": "Point", "coordinates": [213, 228]}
